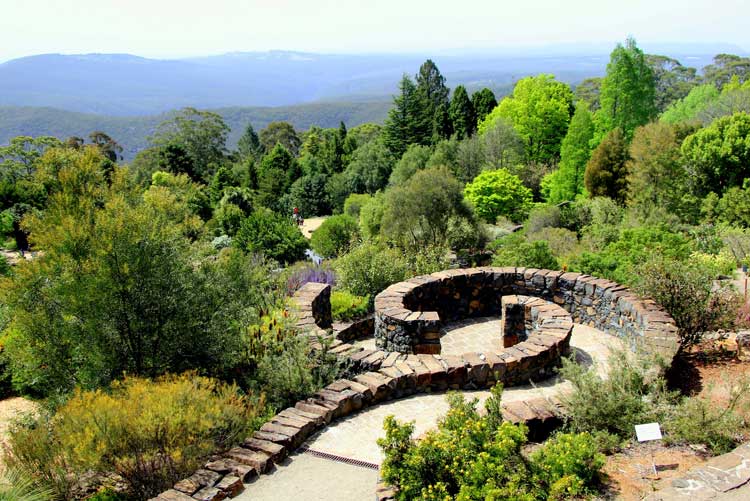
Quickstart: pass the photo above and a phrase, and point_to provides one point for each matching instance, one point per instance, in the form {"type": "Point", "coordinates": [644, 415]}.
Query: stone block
{"type": "Point", "coordinates": [196, 481]}
{"type": "Point", "coordinates": [226, 466]}
{"type": "Point", "coordinates": [210, 494]}
{"type": "Point", "coordinates": [173, 495]}
{"type": "Point", "coordinates": [231, 485]}
{"type": "Point", "coordinates": [254, 459]}
{"type": "Point", "coordinates": [275, 452]}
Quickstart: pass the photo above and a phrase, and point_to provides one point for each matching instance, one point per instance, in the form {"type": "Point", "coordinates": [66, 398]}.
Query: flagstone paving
{"type": "Point", "coordinates": [306, 477]}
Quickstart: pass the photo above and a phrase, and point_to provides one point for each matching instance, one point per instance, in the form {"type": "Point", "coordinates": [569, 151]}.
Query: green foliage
{"type": "Point", "coordinates": [461, 113]}
{"type": "Point", "coordinates": [414, 159]}
{"type": "Point", "coordinates": [498, 193]}
{"type": "Point", "coordinates": [656, 178]}
{"type": "Point", "coordinates": [346, 306]}
{"type": "Point", "coordinates": [371, 216]}
{"type": "Point", "coordinates": [334, 236]}
{"type": "Point", "coordinates": [628, 92]}
{"type": "Point", "coordinates": [606, 170]}
{"type": "Point", "coordinates": [725, 67]}
{"type": "Point", "coordinates": [433, 94]}
{"type": "Point", "coordinates": [248, 146]}
{"type": "Point", "coordinates": [514, 250]}
{"type": "Point", "coordinates": [152, 433]}
{"type": "Point", "coordinates": [501, 147]}
{"type": "Point", "coordinates": [354, 203]}
{"type": "Point", "coordinates": [202, 134]}
{"type": "Point", "coordinates": [539, 109]}
{"type": "Point", "coordinates": [483, 102]}
{"type": "Point", "coordinates": [280, 133]}
{"type": "Point", "coordinates": [632, 393]}
{"type": "Point", "coordinates": [369, 268]}
{"type": "Point", "coordinates": [673, 80]}
{"type": "Point", "coordinates": [417, 213]}
{"type": "Point", "coordinates": [470, 457]}
{"type": "Point", "coordinates": [686, 290]}
{"type": "Point", "coordinates": [16, 486]}
{"type": "Point", "coordinates": [310, 196]}
{"type": "Point", "coordinates": [567, 182]}
{"type": "Point", "coordinates": [276, 173]}
{"type": "Point", "coordinates": [274, 235]}
{"type": "Point", "coordinates": [369, 169]}
{"type": "Point", "coordinates": [690, 107]}
{"type": "Point", "coordinates": [407, 121]}
{"type": "Point", "coordinates": [718, 156]}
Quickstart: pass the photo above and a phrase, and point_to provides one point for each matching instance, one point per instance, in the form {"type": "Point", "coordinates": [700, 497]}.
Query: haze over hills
{"type": "Point", "coordinates": [126, 96]}
{"type": "Point", "coordinates": [123, 84]}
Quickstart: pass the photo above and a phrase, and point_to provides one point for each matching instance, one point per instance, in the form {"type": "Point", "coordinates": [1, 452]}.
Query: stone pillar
{"type": "Point", "coordinates": [513, 324]}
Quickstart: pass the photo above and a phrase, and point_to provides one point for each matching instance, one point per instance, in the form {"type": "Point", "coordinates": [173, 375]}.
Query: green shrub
{"type": "Point", "coordinates": [152, 433]}
{"type": "Point", "coordinates": [543, 216]}
{"type": "Point", "coordinates": [4, 266]}
{"type": "Point", "coordinates": [334, 236]}
{"type": "Point", "coordinates": [514, 250]}
{"type": "Point", "coordinates": [354, 203]}
{"type": "Point", "coordinates": [473, 457]}
{"type": "Point", "coordinates": [687, 291]}
{"type": "Point", "coordinates": [632, 393]}
{"type": "Point", "coordinates": [495, 193]}
{"type": "Point", "coordinates": [369, 268]}
{"type": "Point", "coordinates": [273, 235]}
{"type": "Point", "coordinates": [347, 306]}
{"type": "Point", "coordinates": [371, 216]}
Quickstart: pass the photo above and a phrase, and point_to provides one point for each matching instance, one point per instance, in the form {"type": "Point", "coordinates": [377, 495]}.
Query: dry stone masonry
{"type": "Point", "coordinates": [538, 308]}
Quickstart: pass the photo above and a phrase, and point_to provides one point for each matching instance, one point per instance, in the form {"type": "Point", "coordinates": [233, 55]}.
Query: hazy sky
{"type": "Point", "coordinates": [168, 28]}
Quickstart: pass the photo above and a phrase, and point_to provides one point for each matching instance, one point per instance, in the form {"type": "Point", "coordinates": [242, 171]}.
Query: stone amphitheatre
{"type": "Point", "coordinates": [524, 320]}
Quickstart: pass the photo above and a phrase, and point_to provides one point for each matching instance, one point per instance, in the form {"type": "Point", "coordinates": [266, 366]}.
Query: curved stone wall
{"type": "Point", "coordinates": [409, 315]}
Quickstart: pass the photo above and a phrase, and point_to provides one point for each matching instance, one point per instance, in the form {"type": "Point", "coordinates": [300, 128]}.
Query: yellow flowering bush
{"type": "Point", "coordinates": [152, 433]}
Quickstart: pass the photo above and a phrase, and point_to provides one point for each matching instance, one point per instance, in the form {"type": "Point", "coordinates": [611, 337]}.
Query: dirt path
{"type": "Point", "coordinates": [312, 224]}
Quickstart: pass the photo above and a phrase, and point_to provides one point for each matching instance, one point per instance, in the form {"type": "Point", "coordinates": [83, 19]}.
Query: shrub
{"type": "Point", "coordinates": [630, 394]}
{"type": "Point", "coordinates": [686, 290]}
{"type": "Point", "coordinates": [273, 235]}
{"type": "Point", "coordinates": [472, 457]}
{"type": "Point", "coordinates": [499, 193]}
{"type": "Point", "coordinates": [347, 306]}
{"type": "Point", "coordinates": [371, 216]}
{"type": "Point", "coordinates": [334, 236]}
{"type": "Point", "coordinates": [4, 266]}
{"type": "Point", "coordinates": [543, 216]}
{"type": "Point", "coordinates": [15, 486]}
{"type": "Point", "coordinates": [369, 268]}
{"type": "Point", "coordinates": [561, 242]}
{"type": "Point", "coordinates": [514, 250]}
{"type": "Point", "coordinates": [152, 433]}
{"type": "Point", "coordinates": [354, 203]}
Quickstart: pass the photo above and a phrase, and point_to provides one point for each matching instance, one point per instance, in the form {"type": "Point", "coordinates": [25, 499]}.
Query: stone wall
{"type": "Point", "coordinates": [313, 304]}
{"type": "Point", "coordinates": [408, 313]}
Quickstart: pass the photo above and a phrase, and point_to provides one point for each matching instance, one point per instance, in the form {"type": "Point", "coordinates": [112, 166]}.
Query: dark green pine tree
{"type": "Point", "coordinates": [249, 144]}
{"type": "Point", "coordinates": [434, 93]}
{"type": "Point", "coordinates": [441, 127]}
{"type": "Point", "coordinates": [276, 173]}
{"type": "Point", "coordinates": [461, 112]}
{"type": "Point", "coordinates": [406, 123]}
{"type": "Point", "coordinates": [484, 102]}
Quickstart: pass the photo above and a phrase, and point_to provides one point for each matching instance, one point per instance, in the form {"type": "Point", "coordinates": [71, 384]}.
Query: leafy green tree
{"type": "Point", "coordinates": [589, 91]}
{"type": "Point", "coordinates": [514, 250]}
{"type": "Point", "coordinates": [433, 95]}
{"type": "Point", "coordinates": [539, 109]}
{"type": "Point", "coordinates": [471, 156]}
{"type": "Point", "coordinates": [497, 193]}
{"type": "Point", "coordinates": [484, 102]}
{"type": "Point", "coordinates": [274, 235]}
{"type": "Point", "coordinates": [354, 203]}
{"type": "Point", "coordinates": [203, 136]}
{"type": "Point", "coordinates": [417, 213]}
{"type": "Point", "coordinates": [606, 171]}
{"type": "Point", "coordinates": [407, 122]}
{"type": "Point", "coordinates": [363, 133]}
{"type": "Point", "coordinates": [174, 158]}
{"type": "Point", "coordinates": [628, 92]}
{"type": "Point", "coordinates": [222, 179]}
{"type": "Point", "coordinates": [502, 147]}
{"type": "Point", "coordinates": [414, 159]}
{"type": "Point", "coordinates": [462, 114]}
{"type": "Point", "coordinates": [282, 133]}
{"type": "Point", "coordinates": [369, 268]}
{"type": "Point", "coordinates": [369, 169]}
{"type": "Point", "coordinates": [309, 195]}
{"type": "Point", "coordinates": [673, 80]}
{"type": "Point", "coordinates": [718, 156]}
{"type": "Point", "coordinates": [567, 182]}
{"type": "Point", "coordinates": [108, 146]}
{"type": "Point", "coordinates": [248, 146]}
{"type": "Point", "coordinates": [690, 107]}
{"type": "Point", "coordinates": [334, 236]}
{"type": "Point", "coordinates": [734, 98]}
{"type": "Point", "coordinates": [276, 173]}
{"type": "Point", "coordinates": [724, 67]}
{"type": "Point", "coordinates": [656, 177]}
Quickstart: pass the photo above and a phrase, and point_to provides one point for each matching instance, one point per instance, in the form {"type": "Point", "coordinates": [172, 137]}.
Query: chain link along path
{"type": "Point", "coordinates": [463, 330]}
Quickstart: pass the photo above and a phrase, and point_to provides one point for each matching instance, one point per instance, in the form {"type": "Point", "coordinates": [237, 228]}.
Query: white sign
{"type": "Point", "coordinates": [649, 431]}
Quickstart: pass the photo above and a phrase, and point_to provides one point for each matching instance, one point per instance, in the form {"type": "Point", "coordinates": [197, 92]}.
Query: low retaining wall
{"type": "Point", "coordinates": [408, 314]}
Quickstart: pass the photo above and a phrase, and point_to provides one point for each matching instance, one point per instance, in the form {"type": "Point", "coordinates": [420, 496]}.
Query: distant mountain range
{"type": "Point", "coordinates": [126, 96]}
{"type": "Point", "coordinates": [123, 84]}
{"type": "Point", "coordinates": [132, 131]}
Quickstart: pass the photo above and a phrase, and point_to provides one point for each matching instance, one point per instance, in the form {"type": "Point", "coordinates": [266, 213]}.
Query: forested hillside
{"type": "Point", "coordinates": [132, 132]}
